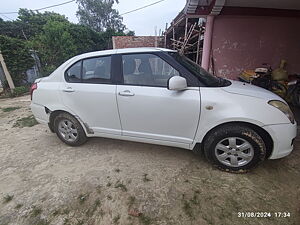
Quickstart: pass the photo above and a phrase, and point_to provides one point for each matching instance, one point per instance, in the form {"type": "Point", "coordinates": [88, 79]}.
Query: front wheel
{"type": "Point", "coordinates": [69, 130]}
{"type": "Point", "coordinates": [234, 148]}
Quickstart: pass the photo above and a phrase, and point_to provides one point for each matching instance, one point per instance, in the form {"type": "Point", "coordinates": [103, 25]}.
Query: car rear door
{"type": "Point", "coordinates": [148, 109]}
{"type": "Point", "coordinates": [89, 92]}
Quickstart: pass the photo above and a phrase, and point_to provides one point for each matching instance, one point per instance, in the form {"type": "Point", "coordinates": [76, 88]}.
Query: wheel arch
{"type": "Point", "coordinates": [55, 113]}
{"type": "Point", "coordinates": [259, 130]}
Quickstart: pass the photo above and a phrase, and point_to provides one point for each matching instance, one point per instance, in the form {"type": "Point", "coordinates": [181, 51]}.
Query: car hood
{"type": "Point", "coordinates": [242, 88]}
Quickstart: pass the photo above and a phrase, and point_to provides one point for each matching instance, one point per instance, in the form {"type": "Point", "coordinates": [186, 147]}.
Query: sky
{"type": "Point", "coordinates": [143, 22]}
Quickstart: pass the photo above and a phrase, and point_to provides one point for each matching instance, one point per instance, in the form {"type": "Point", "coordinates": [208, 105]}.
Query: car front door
{"type": "Point", "coordinates": [90, 93]}
{"type": "Point", "coordinates": [148, 109]}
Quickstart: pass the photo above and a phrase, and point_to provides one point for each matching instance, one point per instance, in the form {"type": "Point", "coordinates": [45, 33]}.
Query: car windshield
{"type": "Point", "coordinates": [204, 76]}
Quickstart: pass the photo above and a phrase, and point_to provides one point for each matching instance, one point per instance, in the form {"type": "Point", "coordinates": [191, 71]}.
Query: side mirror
{"type": "Point", "coordinates": [177, 83]}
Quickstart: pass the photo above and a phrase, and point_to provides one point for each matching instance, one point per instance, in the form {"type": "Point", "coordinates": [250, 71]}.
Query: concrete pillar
{"type": "Point", "coordinates": [207, 41]}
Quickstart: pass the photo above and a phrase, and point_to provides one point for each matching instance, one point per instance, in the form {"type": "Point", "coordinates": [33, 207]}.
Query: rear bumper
{"type": "Point", "coordinates": [39, 113]}
{"type": "Point", "coordinates": [283, 136]}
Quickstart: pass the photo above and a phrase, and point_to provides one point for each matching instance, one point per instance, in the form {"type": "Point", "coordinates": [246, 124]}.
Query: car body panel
{"type": "Point", "coordinates": [242, 88]}
{"type": "Point", "coordinates": [283, 136]}
{"type": "Point", "coordinates": [95, 104]}
{"type": "Point", "coordinates": [158, 113]}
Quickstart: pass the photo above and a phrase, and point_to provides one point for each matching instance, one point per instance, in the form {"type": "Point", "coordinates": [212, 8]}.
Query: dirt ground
{"type": "Point", "coordinates": [43, 181]}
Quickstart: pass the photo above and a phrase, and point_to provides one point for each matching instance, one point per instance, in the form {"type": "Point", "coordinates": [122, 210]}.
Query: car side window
{"type": "Point", "coordinates": [96, 70]}
{"type": "Point", "coordinates": [147, 70]}
{"type": "Point", "coordinates": [90, 70]}
{"type": "Point", "coordinates": [73, 74]}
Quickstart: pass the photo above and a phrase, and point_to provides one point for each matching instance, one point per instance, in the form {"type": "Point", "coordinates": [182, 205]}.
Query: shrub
{"type": "Point", "coordinates": [18, 91]}
{"type": "Point", "coordinates": [17, 57]}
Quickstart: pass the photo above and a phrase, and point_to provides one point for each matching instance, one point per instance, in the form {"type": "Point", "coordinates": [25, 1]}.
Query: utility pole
{"type": "Point", "coordinates": [155, 37]}
{"type": "Point", "coordinates": [7, 75]}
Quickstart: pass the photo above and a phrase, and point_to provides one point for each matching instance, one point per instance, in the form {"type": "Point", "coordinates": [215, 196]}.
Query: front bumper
{"type": "Point", "coordinates": [283, 136]}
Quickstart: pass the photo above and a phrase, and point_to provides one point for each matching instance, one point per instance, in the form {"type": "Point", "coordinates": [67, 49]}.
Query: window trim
{"type": "Point", "coordinates": [194, 82]}
{"type": "Point", "coordinates": [67, 77]}
{"type": "Point", "coordinates": [81, 69]}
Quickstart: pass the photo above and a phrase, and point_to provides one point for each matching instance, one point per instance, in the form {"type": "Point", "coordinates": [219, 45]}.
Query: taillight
{"type": "Point", "coordinates": [32, 88]}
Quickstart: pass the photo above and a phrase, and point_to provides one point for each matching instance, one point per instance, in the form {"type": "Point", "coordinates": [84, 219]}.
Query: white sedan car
{"type": "Point", "coordinates": [157, 96]}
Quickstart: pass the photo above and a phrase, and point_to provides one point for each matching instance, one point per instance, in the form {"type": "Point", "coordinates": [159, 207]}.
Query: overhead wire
{"type": "Point", "coordinates": [47, 7]}
{"type": "Point", "coordinates": [134, 10]}
{"type": "Point", "coordinates": [67, 2]}
{"type": "Point", "coordinates": [7, 17]}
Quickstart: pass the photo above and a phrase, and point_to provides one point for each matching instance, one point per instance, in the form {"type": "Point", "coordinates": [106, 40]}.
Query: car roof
{"type": "Point", "coordinates": [123, 51]}
{"type": "Point", "coordinates": [144, 49]}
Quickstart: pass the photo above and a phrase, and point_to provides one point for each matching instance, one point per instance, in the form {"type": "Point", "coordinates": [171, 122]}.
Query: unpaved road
{"type": "Point", "coordinates": [43, 181]}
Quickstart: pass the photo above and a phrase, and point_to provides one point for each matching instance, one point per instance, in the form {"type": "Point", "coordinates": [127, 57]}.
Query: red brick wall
{"type": "Point", "coordinates": [135, 41]}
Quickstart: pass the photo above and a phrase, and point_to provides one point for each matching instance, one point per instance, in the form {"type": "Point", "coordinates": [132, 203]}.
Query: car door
{"type": "Point", "coordinates": [148, 109]}
{"type": "Point", "coordinates": [90, 93]}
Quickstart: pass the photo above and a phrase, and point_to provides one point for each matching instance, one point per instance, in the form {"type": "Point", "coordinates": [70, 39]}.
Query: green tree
{"type": "Point", "coordinates": [99, 15]}
{"type": "Point", "coordinates": [17, 58]}
{"type": "Point", "coordinates": [86, 39]}
{"type": "Point", "coordinates": [60, 41]}
{"type": "Point", "coordinates": [28, 24]}
{"type": "Point", "coordinates": [11, 29]}
{"type": "Point", "coordinates": [33, 22]}
{"type": "Point", "coordinates": [55, 39]}
{"type": "Point", "coordinates": [54, 45]}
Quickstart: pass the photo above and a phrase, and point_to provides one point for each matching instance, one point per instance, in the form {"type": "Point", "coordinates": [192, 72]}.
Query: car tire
{"type": "Point", "coordinates": [69, 130]}
{"type": "Point", "coordinates": [234, 148]}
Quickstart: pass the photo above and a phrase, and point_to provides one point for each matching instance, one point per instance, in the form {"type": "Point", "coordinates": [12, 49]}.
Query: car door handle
{"type": "Point", "coordinates": [68, 89]}
{"type": "Point", "coordinates": [126, 93]}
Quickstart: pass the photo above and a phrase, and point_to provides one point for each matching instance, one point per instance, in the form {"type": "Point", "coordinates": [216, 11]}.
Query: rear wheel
{"type": "Point", "coordinates": [234, 148]}
{"type": "Point", "coordinates": [69, 130]}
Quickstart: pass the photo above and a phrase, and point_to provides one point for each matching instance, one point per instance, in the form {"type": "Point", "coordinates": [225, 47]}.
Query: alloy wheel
{"type": "Point", "coordinates": [68, 130]}
{"type": "Point", "coordinates": [234, 152]}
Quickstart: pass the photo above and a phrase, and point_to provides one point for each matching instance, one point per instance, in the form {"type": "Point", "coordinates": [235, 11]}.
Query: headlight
{"type": "Point", "coordinates": [283, 108]}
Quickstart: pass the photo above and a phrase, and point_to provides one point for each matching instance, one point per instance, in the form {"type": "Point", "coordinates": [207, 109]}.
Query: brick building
{"type": "Point", "coordinates": [136, 41]}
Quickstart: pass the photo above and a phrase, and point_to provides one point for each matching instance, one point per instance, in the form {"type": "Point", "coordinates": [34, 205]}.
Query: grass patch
{"type": "Point", "coordinates": [80, 222]}
{"type": "Point", "coordinates": [121, 186]}
{"type": "Point", "coordinates": [18, 206]}
{"type": "Point", "coordinates": [97, 202]}
{"type": "Point", "coordinates": [116, 219]}
{"type": "Point", "coordinates": [7, 198]}
{"type": "Point", "coordinates": [41, 222]}
{"type": "Point", "coordinates": [98, 189]}
{"type": "Point", "coordinates": [91, 211]}
{"type": "Point", "coordinates": [131, 201]}
{"type": "Point", "coordinates": [9, 109]}
{"type": "Point", "coordinates": [146, 220]}
{"type": "Point", "coordinates": [187, 209]}
{"type": "Point", "coordinates": [145, 178]}
{"type": "Point", "coordinates": [56, 212]}
{"type": "Point", "coordinates": [28, 121]}
{"type": "Point", "coordinates": [36, 211]}
{"type": "Point", "coordinates": [197, 192]}
{"type": "Point", "coordinates": [101, 213]}
{"type": "Point", "coordinates": [195, 199]}
{"type": "Point", "coordinates": [19, 91]}
{"type": "Point", "coordinates": [65, 211]}
{"type": "Point", "coordinates": [66, 221]}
